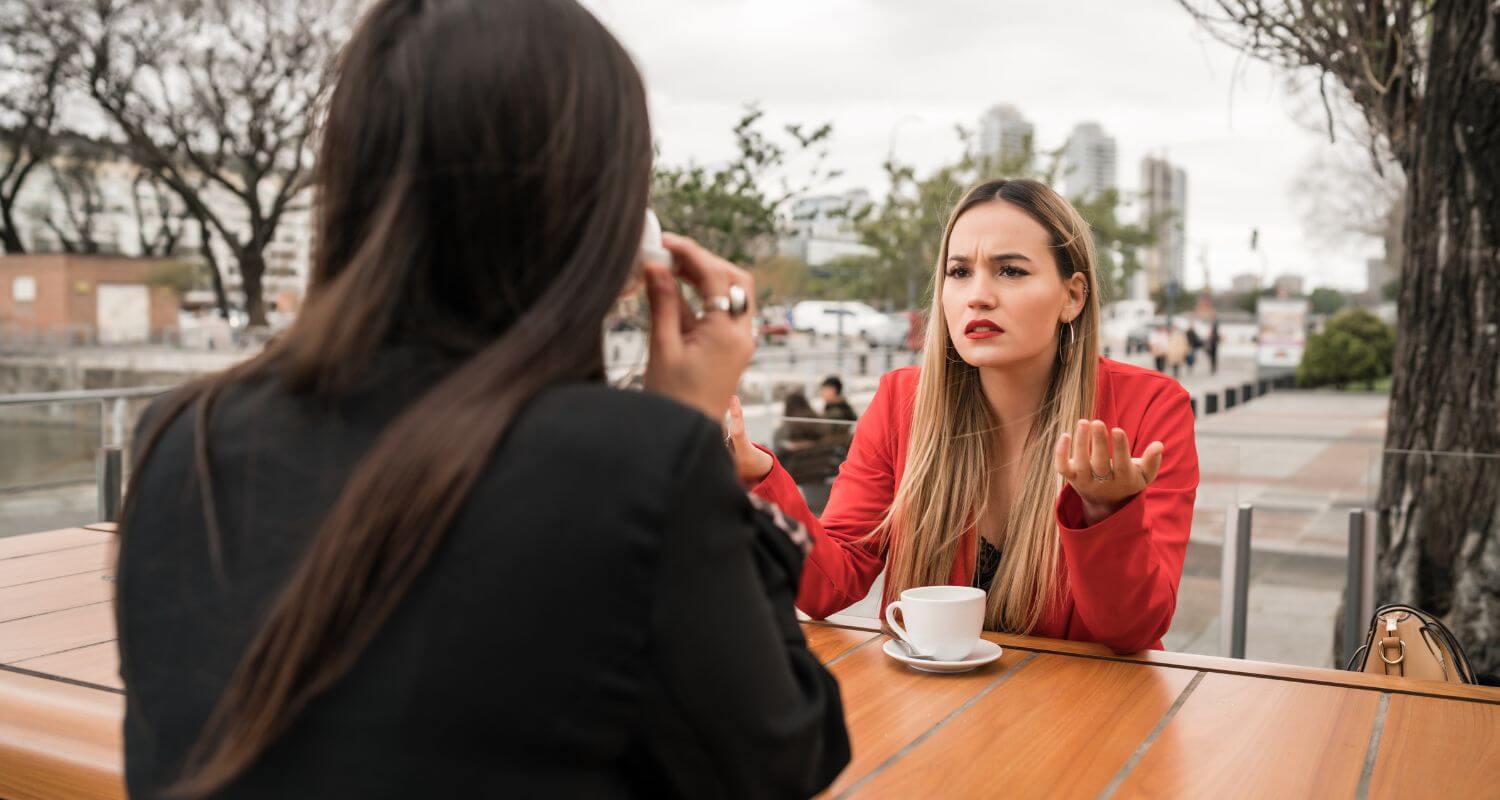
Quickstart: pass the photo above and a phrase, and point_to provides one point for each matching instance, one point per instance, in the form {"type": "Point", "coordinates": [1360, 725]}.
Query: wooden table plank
{"type": "Point", "coordinates": [56, 594]}
{"type": "Point", "coordinates": [45, 634]}
{"type": "Point", "coordinates": [33, 543]}
{"type": "Point", "coordinates": [56, 564]}
{"type": "Point", "coordinates": [888, 705]}
{"type": "Point", "coordinates": [1228, 666]}
{"type": "Point", "coordinates": [97, 664]}
{"type": "Point", "coordinates": [1066, 724]}
{"type": "Point", "coordinates": [59, 740]}
{"type": "Point", "coordinates": [1437, 748]}
{"type": "Point", "coordinates": [1251, 737]}
{"type": "Point", "coordinates": [827, 642]}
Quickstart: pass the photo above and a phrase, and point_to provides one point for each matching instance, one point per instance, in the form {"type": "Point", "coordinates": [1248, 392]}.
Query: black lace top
{"type": "Point", "coordinates": [989, 564]}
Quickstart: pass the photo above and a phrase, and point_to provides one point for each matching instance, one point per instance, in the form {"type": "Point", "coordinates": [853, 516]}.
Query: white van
{"type": "Point", "coordinates": [832, 317]}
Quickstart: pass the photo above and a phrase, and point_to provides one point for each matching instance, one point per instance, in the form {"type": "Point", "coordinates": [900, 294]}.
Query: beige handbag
{"type": "Point", "coordinates": [1410, 643]}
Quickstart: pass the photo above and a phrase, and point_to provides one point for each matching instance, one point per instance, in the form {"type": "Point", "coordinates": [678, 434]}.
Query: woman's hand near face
{"type": "Point", "coordinates": [1092, 452]}
{"type": "Point", "coordinates": [697, 360]}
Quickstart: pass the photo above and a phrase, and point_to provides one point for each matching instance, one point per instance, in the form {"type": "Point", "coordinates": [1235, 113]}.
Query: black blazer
{"type": "Point", "coordinates": [608, 617]}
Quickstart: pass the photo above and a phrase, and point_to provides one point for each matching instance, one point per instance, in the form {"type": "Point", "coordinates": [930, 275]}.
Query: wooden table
{"type": "Point", "coordinates": [60, 695]}
{"type": "Point", "coordinates": [1050, 718]}
{"type": "Point", "coordinates": [1068, 719]}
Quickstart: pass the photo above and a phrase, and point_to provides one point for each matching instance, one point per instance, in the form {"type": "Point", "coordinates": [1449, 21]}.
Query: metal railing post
{"type": "Point", "coordinates": [109, 475]}
{"type": "Point", "coordinates": [117, 421]}
{"type": "Point", "coordinates": [1234, 582]}
{"type": "Point", "coordinates": [1354, 584]}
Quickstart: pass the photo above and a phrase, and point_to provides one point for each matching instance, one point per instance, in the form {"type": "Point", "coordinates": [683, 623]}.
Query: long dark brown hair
{"type": "Point", "coordinates": [482, 181]}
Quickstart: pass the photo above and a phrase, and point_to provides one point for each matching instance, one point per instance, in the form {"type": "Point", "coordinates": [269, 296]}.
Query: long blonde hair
{"type": "Point", "coordinates": [944, 490]}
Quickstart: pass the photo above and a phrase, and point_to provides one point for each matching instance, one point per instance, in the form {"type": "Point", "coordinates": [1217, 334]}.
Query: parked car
{"type": "Point", "coordinates": [769, 332]}
{"type": "Point", "coordinates": [894, 331]}
{"type": "Point", "coordinates": [833, 317]}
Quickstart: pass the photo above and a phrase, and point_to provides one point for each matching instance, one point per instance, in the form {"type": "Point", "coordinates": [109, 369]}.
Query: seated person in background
{"type": "Point", "coordinates": [794, 434]}
{"type": "Point", "coordinates": [834, 404]}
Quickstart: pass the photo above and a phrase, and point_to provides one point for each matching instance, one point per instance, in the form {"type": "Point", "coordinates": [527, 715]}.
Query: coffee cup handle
{"type": "Point", "coordinates": [890, 619]}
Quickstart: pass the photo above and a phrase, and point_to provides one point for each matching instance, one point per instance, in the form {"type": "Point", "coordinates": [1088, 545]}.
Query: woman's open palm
{"type": "Point", "coordinates": [1096, 461]}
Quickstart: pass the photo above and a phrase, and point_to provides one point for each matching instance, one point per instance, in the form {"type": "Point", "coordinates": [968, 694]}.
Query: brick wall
{"type": "Point", "coordinates": [67, 288]}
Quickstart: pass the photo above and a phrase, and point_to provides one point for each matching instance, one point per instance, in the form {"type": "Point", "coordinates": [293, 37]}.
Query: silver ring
{"type": "Point", "coordinates": [1101, 478]}
{"type": "Point", "coordinates": [735, 304]}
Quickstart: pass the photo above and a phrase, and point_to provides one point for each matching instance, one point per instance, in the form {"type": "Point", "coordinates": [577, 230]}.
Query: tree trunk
{"type": "Point", "coordinates": [205, 239]}
{"type": "Point", "coordinates": [252, 271]}
{"type": "Point", "coordinates": [10, 239]}
{"type": "Point", "coordinates": [1439, 515]}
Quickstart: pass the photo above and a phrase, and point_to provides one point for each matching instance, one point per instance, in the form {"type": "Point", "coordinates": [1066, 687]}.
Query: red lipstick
{"type": "Point", "coordinates": [982, 329]}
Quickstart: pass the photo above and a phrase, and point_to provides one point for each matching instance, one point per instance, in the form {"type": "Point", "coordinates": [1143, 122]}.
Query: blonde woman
{"type": "Point", "coordinates": [1015, 458]}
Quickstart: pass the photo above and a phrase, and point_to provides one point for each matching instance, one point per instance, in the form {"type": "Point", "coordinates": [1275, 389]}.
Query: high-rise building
{"type": "Point", "coordinates": [1088, 162]}
{"type": "Point", "coordinates": [1004, 133]}
{"type": "Point", "coordinates": [1164, 205]}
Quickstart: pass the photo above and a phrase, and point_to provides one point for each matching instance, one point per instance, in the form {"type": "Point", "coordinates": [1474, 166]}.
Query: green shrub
{"type": "Point", "coordinates": [1354, 347]}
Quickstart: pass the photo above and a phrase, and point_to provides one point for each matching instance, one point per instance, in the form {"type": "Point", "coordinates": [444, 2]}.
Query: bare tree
{"type": "Point", "coordinates": [162, 220]}
{"type": "Point", "coordinates": [159, 217]}
{"type": "Point", "coordinates": [78, 207]}
{"type": "Point", "coordinates": [1346, 197]}
{"type": "Point", "coordinates": [1425, 74]}
{"type": "Point", "coordinates": [37, 50]}
{"type": "Point", "coordinates": [218, 100]}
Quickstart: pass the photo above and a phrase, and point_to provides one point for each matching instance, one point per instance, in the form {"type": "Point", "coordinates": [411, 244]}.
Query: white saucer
{"type": "Point", "coordinates": [983, 653]}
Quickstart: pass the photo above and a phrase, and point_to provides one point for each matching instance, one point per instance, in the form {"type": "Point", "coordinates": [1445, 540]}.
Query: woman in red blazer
{"type": "Point", "coordinates": [1013, 458]}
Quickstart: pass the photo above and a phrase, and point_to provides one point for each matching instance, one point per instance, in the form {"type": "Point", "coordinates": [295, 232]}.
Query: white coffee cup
{"type": "Point", "coordinates": [940, 621]}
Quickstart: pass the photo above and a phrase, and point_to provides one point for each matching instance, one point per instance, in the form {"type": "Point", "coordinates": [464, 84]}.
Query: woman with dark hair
{"type": "Point", "coordinates": [417, 547]}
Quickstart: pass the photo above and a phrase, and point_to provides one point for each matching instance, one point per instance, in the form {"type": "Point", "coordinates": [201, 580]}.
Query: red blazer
{"type": "Point", "coordinates": [1120, 575]}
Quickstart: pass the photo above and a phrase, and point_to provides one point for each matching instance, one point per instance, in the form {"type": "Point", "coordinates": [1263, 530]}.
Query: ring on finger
{"type": "Point", "coordinates": [1102, 478]}
{"type": "Point", "coordinates": [734, 304]}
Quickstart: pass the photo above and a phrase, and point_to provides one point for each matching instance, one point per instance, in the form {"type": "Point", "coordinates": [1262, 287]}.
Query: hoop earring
{"type": "Point", "coordinates": [1064, 347]}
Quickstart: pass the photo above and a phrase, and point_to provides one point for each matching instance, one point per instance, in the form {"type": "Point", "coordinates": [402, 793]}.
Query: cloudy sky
{"type": "Point", "coordinates": [900, 74]}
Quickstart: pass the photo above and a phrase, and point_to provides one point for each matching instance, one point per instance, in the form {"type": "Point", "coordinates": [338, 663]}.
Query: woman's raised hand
{"type": "Point", "coordinates": [1096, 461]}
{"type": "Point", "coordinates": [697, 359]}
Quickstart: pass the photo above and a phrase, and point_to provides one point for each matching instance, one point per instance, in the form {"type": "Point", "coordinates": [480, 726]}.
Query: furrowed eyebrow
{"type": "Point", "coordinates": [1009, 257]}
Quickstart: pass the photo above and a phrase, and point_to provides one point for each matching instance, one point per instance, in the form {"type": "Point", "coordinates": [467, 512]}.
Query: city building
{"type": "Point", "coordinates": [1246, 283]}
{"type": "Point", "coordinates": [1005, 134]}
{"type": "Point", "coordinates": [821, 229]}
{"type": "Point", "coordinates": [1164, 205]}
{"type": "Point", "coordinates": [93, 299]}
{"type": "Point", "coordinates": [1289, 285]}
{"type": "Point", "coordinates": [1088, 165]}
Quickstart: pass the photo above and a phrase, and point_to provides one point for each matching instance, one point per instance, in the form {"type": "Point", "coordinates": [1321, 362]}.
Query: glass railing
{"type": "Point", "coordinates": [51, 444]}
{"type": "Point", "coordinates": [1300, 475]}
{"type": "Point", "coordinates": [1437, 501]}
